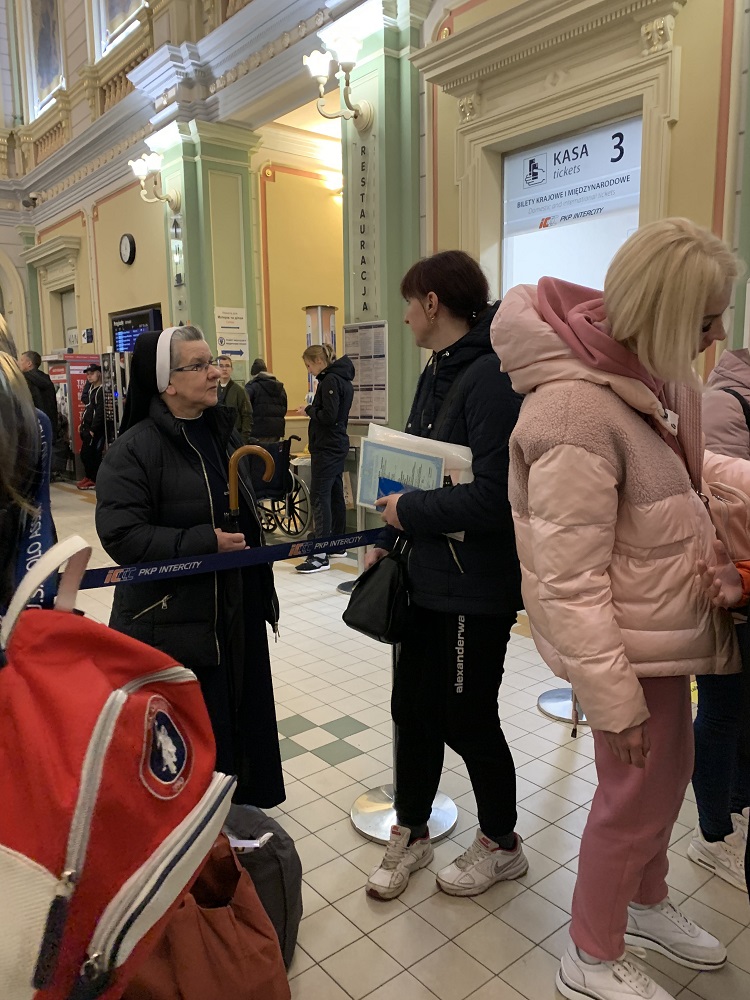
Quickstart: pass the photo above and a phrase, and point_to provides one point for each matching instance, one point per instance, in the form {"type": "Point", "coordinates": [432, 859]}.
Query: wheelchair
{"type": "Point", "coordinates": [283, 504]}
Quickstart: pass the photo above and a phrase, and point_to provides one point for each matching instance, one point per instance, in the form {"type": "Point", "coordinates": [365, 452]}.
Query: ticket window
{"type": "Point", "coordinates": [568, 205]}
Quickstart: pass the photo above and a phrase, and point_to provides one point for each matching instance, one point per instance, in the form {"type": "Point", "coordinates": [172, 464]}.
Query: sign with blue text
{"type": "Point", "coordinates": [565, 181]}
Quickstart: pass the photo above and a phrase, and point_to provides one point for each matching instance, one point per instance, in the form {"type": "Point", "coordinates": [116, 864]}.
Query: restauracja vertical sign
{"type": "Point", "coordinates": [364, 294]}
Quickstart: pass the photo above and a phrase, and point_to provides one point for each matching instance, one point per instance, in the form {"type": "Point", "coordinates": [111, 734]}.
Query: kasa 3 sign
{"type": "Point", "coordinates": [569, 180]}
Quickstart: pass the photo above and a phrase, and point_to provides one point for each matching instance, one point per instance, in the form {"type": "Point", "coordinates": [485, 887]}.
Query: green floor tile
{"type": "Point", "coordinates": [295, 725]}
{"type": "Point", "coordinates": [345, 726]}
{"type": "Point", "coordinates": [335, 753]}
{"type": "Point", "coordinates": [289, 749]}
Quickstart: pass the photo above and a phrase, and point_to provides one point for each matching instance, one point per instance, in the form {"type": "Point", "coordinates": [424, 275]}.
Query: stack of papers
{"type": "Point", "coordinates": [395, 462]}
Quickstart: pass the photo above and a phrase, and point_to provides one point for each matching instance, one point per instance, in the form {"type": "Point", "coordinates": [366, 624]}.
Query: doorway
{"type": "Point", "coordinates": [68, 317]}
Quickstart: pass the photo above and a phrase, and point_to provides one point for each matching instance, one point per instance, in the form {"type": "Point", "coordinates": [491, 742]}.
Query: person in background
{"type": "Point", "coordinates": [41, 386]}
{"type": "Point", "coordinates": [268, 399]}
{"type": "Point", "coordinates": [20, 472]}
{"type": "Point", "coordinates": [92, 428]}
{"type": "Point", "coordinates": [606, 468]}
{"type": "Point", "coordinates": [465, 591]}
{"type": "Point", "coordinates": [328, 444]}
{"type": "Point", "coordinates": [230, 394]}
{"type": "Point", "coordinates": [162, 494]}
{"type": "Point", "coordinates": [721, 777]}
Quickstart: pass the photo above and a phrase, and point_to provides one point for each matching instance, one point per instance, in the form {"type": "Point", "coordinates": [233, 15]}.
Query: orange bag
{"type": "Point", "coordinates": [219, 943]}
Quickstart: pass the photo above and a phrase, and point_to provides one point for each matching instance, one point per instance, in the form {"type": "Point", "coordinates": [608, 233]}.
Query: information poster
{"type": "Point", "coordinates": [367, 346]}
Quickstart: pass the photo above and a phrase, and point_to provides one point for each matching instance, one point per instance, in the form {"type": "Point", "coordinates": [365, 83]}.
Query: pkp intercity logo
{"type": "Point", "coordinates": [535, 170]}
{"type": "Point", "coordinates": [120, 575]}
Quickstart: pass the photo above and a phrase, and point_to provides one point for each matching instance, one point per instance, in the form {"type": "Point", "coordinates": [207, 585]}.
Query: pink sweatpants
{"type": "Point", "coordinates": [623, 855]}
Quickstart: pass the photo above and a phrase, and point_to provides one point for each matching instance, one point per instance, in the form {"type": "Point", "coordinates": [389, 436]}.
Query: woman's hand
{"type": "Point", "coordinates": [721, 581]}
{"type": "Point", "coordinates": [389, 511]}
{"type": "Point", "coordinates": [302, 411]}
{"type": "Point", "coordinates": [631, 746]}
{"type": "Point", "coordinates": [230, 541]}
{"type": "Point", "coordinates": [374, 556]}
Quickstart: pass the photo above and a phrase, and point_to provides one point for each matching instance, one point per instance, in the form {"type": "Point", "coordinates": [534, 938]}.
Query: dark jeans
{"type": "Point", "coordinates": [327, 493]}
{"type": "Point", "coordinates": [91, 458]}
{"type": "Point", "coordinates": [721, 778]}
{"type": "Point", "coordinates": [445, 690]}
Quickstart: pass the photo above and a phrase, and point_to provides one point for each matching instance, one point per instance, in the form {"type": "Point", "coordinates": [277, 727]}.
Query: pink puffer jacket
{"type": "Point", "coordinates": [724, 421]}
{"type": "Point", "coordinates": [608, 526]}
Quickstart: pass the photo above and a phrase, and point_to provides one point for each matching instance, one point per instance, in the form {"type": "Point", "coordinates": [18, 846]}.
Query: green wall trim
{"type": "Point", "coordinates": [392, 84]}
{"type": "Point", "coordinates": [743, 243]}
{"type": "Point", "coordinates": [200, 150]}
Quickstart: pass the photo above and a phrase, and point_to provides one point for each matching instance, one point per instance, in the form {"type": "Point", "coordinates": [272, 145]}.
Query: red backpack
{"type": "Point", "coordinates": [110, 803]}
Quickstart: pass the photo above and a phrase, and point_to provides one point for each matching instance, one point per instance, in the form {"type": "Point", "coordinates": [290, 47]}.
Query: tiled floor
{"type": "Point", "coordinates": [332, 694]}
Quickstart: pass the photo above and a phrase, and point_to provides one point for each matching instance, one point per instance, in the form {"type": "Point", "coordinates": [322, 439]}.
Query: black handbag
{"type": "Point", "coordinates": [379, 602]}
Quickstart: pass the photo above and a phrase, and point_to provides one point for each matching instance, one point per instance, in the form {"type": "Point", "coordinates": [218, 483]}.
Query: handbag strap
{"type": "Point", "coordinates": [450, 398]}
{"type": "Point", "coordinates": [743, 403]}
{"type": "Point", "coordinates": [76, 553]}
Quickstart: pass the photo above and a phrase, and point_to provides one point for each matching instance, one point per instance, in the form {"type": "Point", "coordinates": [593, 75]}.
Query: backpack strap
{"type": "Point", "coordinates": [743, 403]}
{"type": "Point", "coordinates": [76, 553]}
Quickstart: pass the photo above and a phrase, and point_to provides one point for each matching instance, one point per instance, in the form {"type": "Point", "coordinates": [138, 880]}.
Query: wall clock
{"type": "Point", "coordinates": [127, 248]}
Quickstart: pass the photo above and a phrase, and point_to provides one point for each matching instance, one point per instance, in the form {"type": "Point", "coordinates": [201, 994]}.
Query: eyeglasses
{"type": "Point", "coordinates": [203, 366]}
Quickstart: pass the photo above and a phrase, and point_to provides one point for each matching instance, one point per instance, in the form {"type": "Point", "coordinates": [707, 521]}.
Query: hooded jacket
{"type": "Point", "coordinates": [268, 399]}
{"type": "Point", "coordinates": [329, 410]}
{"type": "Point", "coordinates": [724, 421]}
{"type": "Point", "coordinates": [44, 395]}
{"type": "Point", "coordinates": [608, 524]}
{"type": "Point", "coordinates": [153, 502]}
{"type": "Point", "coordinates": [479, 575]}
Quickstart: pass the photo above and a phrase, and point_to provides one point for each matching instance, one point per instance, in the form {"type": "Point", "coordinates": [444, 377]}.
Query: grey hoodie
{"type": "Point", "coordinates": [723, 418]}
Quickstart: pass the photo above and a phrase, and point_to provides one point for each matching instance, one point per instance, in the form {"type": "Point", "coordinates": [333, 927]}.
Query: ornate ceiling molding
{"type": "Point", "coordinates": [271, 49]}
{"type": "Point", "coordinates": [535, 31]}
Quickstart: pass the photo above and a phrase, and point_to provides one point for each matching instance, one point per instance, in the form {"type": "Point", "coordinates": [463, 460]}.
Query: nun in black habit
{"type": "Point", "coordinates": [162, 494]}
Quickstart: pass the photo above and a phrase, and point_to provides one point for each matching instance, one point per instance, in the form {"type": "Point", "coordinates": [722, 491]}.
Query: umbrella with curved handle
{"type": "Point", "coordinates": [233, 517]}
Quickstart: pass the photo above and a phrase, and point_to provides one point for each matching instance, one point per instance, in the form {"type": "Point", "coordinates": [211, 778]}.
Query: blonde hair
{"type": "Point", "coordinates": [657, 288]}
{"type": "Point", "coordinates": [319, 352]}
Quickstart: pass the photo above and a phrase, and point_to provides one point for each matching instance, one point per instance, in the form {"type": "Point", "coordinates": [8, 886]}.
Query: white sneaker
{"type": "Point", "coordinates": [725, 858]}
{"type": "Point", "coordinates": [481, 866]}
{"type": "Point", "coordinates": [401, 858]}
{"type": "Point", "coordinates": [666, 929]}
{"type": "Point", "coordinates": [618, 980]}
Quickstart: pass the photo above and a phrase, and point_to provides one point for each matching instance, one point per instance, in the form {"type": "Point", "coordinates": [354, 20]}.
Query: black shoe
{"type": "Point", "coordinates": [314, 564]}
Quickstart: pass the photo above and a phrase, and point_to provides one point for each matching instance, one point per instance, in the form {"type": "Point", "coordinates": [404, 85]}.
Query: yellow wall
{"type": "Point", "coordinates": [144, 282]}
{"type": "Point", "coordinates": [304, 265]}
{"type": "Point", "coordinates": [692, 173]}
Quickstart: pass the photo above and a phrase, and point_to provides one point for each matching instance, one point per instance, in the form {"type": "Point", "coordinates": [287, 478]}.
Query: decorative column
{"type": "Point", "coordinates": [28, 236]}
{"type": "Point", "coordinates": [210, 239]}
{"type": "Point", "coordinates": [381, 185]}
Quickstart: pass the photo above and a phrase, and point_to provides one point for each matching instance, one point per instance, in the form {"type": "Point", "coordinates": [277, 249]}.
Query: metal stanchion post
{"type": "Point", "coordinates": [557, 704]}
{"type": "Point", "coordinates": [373, 813]}
{"type": "Point", "coordinates": [348, 586]}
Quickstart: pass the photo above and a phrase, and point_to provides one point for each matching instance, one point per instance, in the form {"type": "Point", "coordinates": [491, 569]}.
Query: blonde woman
{"type": "Point", "coordinates": [328, 443]}
{"type": "Point", "coordinates": [606, 468]}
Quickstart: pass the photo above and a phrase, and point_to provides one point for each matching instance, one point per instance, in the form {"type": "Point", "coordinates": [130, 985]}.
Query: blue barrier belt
{"type": "Point", "coordinates": [169, 569]}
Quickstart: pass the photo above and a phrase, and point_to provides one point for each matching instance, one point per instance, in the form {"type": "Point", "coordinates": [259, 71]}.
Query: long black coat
{"type": "Point", "coordinates": [153, 503]}
{"type": "Point", "coordinates": [481, 574]}
{"type": "Point", "coordinates": [268, 399]}
{"type": "Point", "coordinates": [43, 393]}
